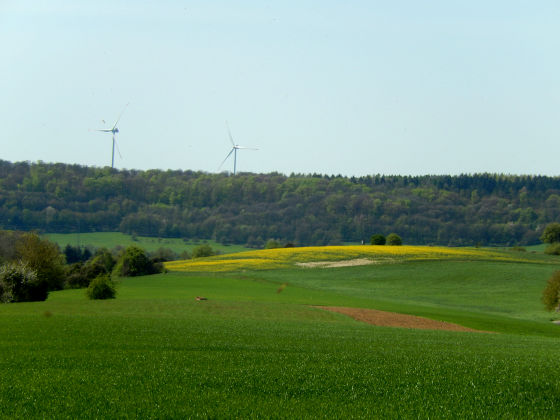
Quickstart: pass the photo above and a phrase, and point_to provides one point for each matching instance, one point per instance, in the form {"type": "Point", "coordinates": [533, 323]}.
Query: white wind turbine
{"type": "Point", "coordinates": [234, 150]}
{"type": "Point", "coordinates": [115, 130]}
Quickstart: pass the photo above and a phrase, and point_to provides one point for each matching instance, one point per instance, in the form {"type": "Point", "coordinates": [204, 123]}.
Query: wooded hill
{"type": "Point", "coordinates": [485, 209]}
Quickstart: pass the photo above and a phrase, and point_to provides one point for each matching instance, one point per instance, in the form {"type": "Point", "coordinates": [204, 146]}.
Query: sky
{"type": "Point", "coordinates": [331, 87]}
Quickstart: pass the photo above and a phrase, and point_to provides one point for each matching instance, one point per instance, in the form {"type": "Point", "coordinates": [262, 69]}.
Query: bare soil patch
{"type": "Point", "coordinates": [392, 319]}
{"type": "Point", "coordinates": [332, 264]}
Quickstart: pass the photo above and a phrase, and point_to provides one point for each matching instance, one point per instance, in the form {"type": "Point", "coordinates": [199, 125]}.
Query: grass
{"type": "Point", "coordinates": [113, 239]}
{"type": "Point", "coordinates": [536, 248]}
{"type": "Point", "coordinates": [251, 352]}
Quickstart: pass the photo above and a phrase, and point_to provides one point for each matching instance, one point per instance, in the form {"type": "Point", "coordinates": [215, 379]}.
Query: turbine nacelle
{"type": "Point", "coordinates": [114, 131]}
{"type": "Point", "coordinates": [234, 150]}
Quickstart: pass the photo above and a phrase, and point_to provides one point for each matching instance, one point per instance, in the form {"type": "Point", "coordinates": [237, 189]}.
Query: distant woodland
{"type": "Point", "coordinates": [484, 209]}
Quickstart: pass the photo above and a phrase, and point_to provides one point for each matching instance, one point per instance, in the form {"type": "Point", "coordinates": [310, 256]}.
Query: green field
{"type": "Point", "coordinates": [113, 239]}
{"type": "Point", "coordinates": [249, 352]}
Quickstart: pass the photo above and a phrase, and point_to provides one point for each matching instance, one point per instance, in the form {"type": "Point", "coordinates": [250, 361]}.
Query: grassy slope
{"type": "Point", "coordinates": [249, 351]}
{"type": "Point", "coordinates": [496, 296]}
{"type": "Point", "coordinates": [112, 239]}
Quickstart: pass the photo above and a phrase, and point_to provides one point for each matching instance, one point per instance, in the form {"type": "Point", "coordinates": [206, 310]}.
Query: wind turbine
{"type": "Point", "coordinates": [234, 150]}
{"type": "Point", "coordinates": [115, 130]}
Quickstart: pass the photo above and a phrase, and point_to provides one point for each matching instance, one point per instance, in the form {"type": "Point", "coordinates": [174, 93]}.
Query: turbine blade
{"type": "Point", "coordinates": [224, 161]}
{"type": "Point", "coordinates": [105, 131]}
{"type": "Point", "coordinates": [118, 150]}
{"type": "Point", "coordinates": [246, 148]}
{"type": "Point", "coordinates": [120, 115]}
{"type": "Point", "coordinates": [229, 133]}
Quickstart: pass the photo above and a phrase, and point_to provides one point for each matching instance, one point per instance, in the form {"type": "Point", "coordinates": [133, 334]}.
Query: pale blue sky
{"type": "Point", "coordinates": [355, 87]}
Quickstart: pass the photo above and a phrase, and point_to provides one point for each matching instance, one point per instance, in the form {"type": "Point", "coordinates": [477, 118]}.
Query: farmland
{"type": "Point", "coordinates": [113, 239]}
{"type": "Point", "coordinates": [250, 351]}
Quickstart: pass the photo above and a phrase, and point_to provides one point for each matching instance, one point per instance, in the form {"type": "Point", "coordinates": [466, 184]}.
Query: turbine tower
{"type": "Point", "coordinates": [234, 150]}
{"type": "Point", "coordinates": [115, 130]}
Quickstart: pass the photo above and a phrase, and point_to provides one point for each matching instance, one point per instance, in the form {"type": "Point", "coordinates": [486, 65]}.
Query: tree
{"type": "Point", "coordinates": [378, 239]}
{"type": "Point", "coordinates": [104, 257]}
{"type": "Point", "coordinates": [551, 233]}
{"type": "Point", "coordinates": [20, 283]}
{"type": "Point", "coordinates": [163, 254]}
{"type": "Point", "coordinates": [551, 293]}
{"type": "Point", "coordinates": [203, 250]}
{"type": "Point", "coordinates": [44, 257]}
{"type": "Point", "coordinates": [81, 274]}
{"type": "Point", "coordinates": [73, 254]}
{"type": "Point", "coordinates": [394, 239]}
{"type": "Point", "coordinates": [134, 262]}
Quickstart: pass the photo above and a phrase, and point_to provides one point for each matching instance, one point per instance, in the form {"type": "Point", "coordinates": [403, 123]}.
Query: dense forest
{"type": "Point", "coordinates": [485, 209]}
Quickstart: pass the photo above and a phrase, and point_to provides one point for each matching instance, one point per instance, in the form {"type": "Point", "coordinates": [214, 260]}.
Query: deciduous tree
{"type": "Point", "coordinates": [44, 257]}
{"type": "Point", "coordinates": [551, 233]}
{"type": "Point", "coordinates": [378, 239]}
{"type": "Point", "coordinates": [394, 239]}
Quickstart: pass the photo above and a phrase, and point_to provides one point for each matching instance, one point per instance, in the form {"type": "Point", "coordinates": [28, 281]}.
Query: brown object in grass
{"type": "Point", "coordinates": [282, 287]}
{"type": "Point", "coordinates": [392, 319]}
{"type": "Point", "coordinates": [199, 298]}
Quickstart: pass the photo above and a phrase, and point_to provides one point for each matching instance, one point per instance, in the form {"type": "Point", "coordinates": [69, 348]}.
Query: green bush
{"type": "Point", "coordinates": [101, 287]}
{"type": "Point", "coordinates": [203, 250]}
{"type": "Point", "coordinates": [378, 239]}
{"type": "Point", "coordinates": [134, 262]}
{"type": "Point", "coordinates": [394, 239]}
{"type": "Point", "coordinates": [81, 274]}
{"type": "Point", "coordinates": [20, 283]}
{"type": "Point", "coordinates": [551, 293]}
{"type": "Point", "coordinates": [272, 243]}
{"type": "Point", "coordinates": [185, 255]}
{"type": "Point", "coordinates": [553, 249]}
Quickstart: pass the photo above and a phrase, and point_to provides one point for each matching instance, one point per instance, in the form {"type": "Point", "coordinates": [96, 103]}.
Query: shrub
{"type": "Point", "coordinates": [394, 239]}
{"type": "Point", "coordinates": [203, 250]}
{"type": "Point", "coordinates": [104, 257]}
{"type": "Point", "coordinates": [551, 293]}
{"type": "Point", "coordinates": [378, 239]}
{"type": "Point", "coordinates": [20, 283]}
{"type": "Point", "coordinates": [552, 249]}
{"type": "Point", "coordinates": [75, 277]}
{"type": "Point", "coordinates": [185, 255]}
{"type": "Point", "coordinates": [81, 274]}
{"type": "Point", "coordinates": [272, 243]}
{"type": "Point", "coordinates": [101, 287]}
{"type": "Point", "coordinates": [134, 262]}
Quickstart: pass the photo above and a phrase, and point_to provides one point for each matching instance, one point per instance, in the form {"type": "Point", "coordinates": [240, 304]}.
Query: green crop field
{"type": "Point", "coordinates": [113, 239]}
{"type": "Point", "coordinates": [249, 351]}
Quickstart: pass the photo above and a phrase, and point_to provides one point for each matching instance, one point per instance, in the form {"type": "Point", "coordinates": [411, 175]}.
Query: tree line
{"type": "Point", "coordinates": [485, 209]}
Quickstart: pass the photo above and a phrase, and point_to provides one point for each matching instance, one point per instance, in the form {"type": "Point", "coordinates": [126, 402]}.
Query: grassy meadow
{"type": "Point", "coordinates": [113, 239]}
{"type": "Point", "coordinates": [249, 351]}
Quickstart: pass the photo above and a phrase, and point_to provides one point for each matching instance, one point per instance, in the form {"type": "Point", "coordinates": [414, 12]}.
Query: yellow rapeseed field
{"type": "Point", "coordinates": [267, 259]}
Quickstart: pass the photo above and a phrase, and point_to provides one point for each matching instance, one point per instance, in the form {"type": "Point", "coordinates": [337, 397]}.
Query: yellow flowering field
{"type": "Point", "coordinates": [293, 257]}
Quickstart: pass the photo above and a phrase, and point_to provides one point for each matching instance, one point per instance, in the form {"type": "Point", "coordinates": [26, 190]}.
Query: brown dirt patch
{"type": "Point", "coordinates": [392, 319]}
